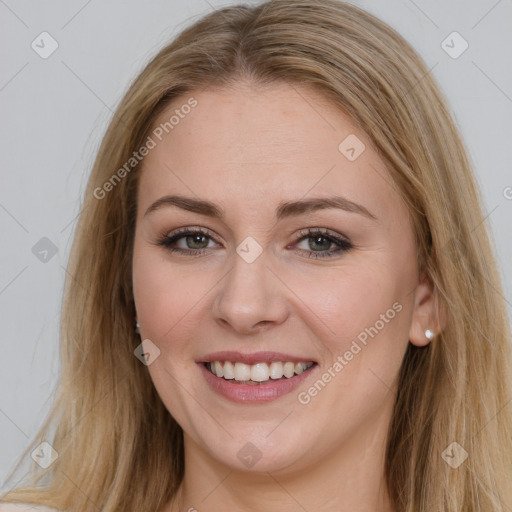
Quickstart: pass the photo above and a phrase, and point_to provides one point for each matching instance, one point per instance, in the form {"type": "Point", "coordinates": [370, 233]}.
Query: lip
{"type": "Point", "coordinates": [254, 393]}
{"type": "Point", "coordinates": [254, 358]}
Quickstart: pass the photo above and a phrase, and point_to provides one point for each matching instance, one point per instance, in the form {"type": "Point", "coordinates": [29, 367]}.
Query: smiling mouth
{"type": "Point", "coordinates": [259, 373]}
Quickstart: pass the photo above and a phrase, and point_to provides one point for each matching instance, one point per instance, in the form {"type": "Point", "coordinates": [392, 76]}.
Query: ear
{"type": "Point", "coordinates": [426, 313]}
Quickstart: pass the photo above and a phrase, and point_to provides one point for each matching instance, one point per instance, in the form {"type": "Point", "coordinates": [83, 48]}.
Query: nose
{"type": "Point", "coordinates": [250, 298]}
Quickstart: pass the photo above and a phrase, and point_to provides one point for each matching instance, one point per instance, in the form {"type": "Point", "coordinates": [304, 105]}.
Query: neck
{"type": "Point", "coordinates": [349, 478]}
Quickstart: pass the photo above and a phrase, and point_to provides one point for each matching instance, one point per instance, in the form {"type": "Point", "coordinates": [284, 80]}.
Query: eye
{"type": "Point", "coordinates": [317, 242]}
{"type": "Point", "coordinates": [322, 243]}
{"type": "Point", "coordinates": [193, 241]}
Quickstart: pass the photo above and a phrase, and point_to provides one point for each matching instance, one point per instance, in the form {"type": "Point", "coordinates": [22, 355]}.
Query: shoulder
{"type": "Point", "coordinates": [23, 507]}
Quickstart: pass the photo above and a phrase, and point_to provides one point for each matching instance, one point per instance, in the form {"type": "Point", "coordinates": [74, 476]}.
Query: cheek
{"type": "Point", "coordinates": [362, 317]}
{"type": "Point", "coordinates": [166, 295]}
{"type": "Point", "coordinates": [167, 301]}
{"type": "Point", "coordinates": [348, 300]}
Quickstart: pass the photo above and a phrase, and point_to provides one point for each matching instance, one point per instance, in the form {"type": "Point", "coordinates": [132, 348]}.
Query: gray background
{"type": "Point", "coordinates": [55, 111]}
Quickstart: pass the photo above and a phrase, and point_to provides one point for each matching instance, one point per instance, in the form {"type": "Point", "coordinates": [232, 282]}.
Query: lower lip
{"type": "Point", "coordinates": [251, 393]}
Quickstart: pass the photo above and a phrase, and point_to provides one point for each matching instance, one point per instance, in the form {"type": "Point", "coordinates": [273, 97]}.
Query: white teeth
{"type": "Point", "coordinates": [260, 372]}
{"type": "Point", "coordinates": [276, 370]}
{"type": "Point", "coordinates": [299, 368]}
{"type": "Point", "coordinates": [218, 369]}
{"type": "Point", "coordinates": [288, 369]}
{"type": "Point", "coordinates": [242, 371]}
{"type": "Point", "coordinates": [228, 370]}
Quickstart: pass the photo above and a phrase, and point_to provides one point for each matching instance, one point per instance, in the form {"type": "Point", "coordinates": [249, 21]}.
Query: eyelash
{"type": "Point", "coordinates": [344, 245]}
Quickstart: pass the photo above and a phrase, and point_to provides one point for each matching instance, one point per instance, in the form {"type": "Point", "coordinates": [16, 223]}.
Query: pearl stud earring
{"type": "Point", "coordinates": [137, 328]}
{"type": "Point", "coordinates": [429, 334]}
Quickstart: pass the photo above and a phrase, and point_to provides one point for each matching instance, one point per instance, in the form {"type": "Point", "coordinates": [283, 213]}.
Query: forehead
{"type": "Point", "coordinates": [262, 144]}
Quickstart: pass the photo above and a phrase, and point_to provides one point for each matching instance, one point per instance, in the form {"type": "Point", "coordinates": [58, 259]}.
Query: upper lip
{"type": "Point", "coordinates": [252, 358]}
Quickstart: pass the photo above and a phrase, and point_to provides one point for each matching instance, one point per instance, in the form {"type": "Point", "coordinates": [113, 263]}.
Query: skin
{"type": "Point", "coordinates": [248, 148]}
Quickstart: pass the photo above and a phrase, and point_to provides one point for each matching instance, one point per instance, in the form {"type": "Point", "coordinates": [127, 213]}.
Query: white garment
{"type": "Point", "coordinates": [22, 507]}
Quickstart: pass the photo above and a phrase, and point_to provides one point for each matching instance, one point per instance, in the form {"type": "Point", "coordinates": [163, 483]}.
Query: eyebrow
{"type": "Point", "coordinates": [285, 209]}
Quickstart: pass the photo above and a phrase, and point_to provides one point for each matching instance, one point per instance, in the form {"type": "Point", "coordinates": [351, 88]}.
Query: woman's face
{"type": "Point", "coordinates": [269, 234]}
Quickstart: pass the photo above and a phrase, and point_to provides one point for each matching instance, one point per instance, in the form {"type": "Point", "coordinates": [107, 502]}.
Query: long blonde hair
{"type": "Point", "coordinates": [119, 448]}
